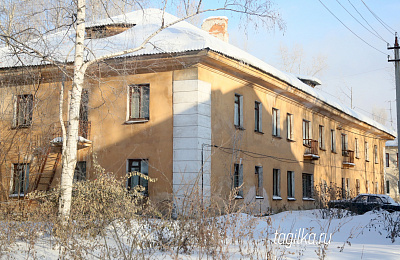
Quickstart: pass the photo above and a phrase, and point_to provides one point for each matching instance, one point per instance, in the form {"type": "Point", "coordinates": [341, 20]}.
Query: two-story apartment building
{"type": "Point", "coordinates": [190, 110]}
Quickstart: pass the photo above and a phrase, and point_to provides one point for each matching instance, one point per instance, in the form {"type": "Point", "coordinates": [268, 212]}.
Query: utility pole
{"type": "Point", "coordinates": [391, 116]}
{"type": "Point", "coordinates": [396, 61]}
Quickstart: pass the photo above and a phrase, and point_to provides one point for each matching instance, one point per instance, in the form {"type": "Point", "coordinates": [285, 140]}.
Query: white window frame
{"type": "Point", "coordinates": [345, 143]}
{"type": "Point", "coordinates": [290, 185]}
{"type": "Point", "coordinates": [333, 140]}
{"type": "Point", "coordinates": [289, 120]}
{"type": "Point", "coordinates": [258, 116]}
{"type": "Point", "coordinates": [366, 145]}
{"type": "Point", "coordinates": [238, 179]}
{"type": "Point", "coordinates": [137, 180]}
{"type": "Point", "coordinates": [23, 187]}
{"type": "Point", "coordinates": [376, 158]}
{"type": "Point", "coordinates": [358, 186]}
{"type": "Point", "coordinates": [238, 111]}
{"type": "Point", "coordinates": [357, 148]}
{"type": "Point", "coordinates": [321, 137]}
{"type": "Point", "coordinates": [144, 111]}
{"type": "Point", "coordinates": [276, 184]}
{"type": "Point", "coordinates": [22, 110]}
{"type": "Point", "coordinates": [276, 128]}
{"type": "Point", "coordinates": [387, 159]}
{"type": "Point", "coordinates": [259, 188]}
{"type": "Point", "coordinates": [307, 132]}
{"type": "Point", "coordinates": [308, 186]}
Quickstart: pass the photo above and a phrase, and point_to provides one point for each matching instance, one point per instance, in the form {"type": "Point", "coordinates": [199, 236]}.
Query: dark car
{"type": "Point", "coordinates": [366, 202]}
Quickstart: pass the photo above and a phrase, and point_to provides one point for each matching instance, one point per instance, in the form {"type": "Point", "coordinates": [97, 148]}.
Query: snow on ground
{"type": "Point", "coordinates": [289, 235]}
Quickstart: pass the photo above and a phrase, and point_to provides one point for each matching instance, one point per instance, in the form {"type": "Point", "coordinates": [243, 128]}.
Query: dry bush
{"type": "Point", "coordinates": [323, 194]}
{"type": "Point", "coordinates": [109, 222]}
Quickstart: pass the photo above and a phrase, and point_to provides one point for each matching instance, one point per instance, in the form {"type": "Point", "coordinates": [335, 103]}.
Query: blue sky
{"type": "Point", "coordinates": [351, 62]}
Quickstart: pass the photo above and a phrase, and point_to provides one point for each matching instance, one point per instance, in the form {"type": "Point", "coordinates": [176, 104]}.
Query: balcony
{"type": "Point", "coordinates": [83, 135]}
{"type": "Point", "coordinates": [348, 158]}
{"type": "Point", "coordinates": [311, 152]}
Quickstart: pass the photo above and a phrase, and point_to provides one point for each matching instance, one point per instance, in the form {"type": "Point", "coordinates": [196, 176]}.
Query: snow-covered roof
{"type": "Point", "coordinates": [178, 38]}
{"type": "Point", "coordinates": [215, 17]}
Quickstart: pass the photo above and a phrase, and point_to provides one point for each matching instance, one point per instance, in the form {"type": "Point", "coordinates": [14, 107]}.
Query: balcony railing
{"type": "Point", "coordinates": [348, 158]}
{"type": "Point", "coordinates": [84, 128]}
{"type": "Point", "coordinates": [311, 151]}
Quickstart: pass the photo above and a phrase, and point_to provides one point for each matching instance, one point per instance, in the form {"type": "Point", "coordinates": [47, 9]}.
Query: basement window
{"type": "Point", "coordinates": [20, 179]}
{"type": "Point", "coordinates": [238, 180]}
{"type": "Point", "coordinates": [139, 170]}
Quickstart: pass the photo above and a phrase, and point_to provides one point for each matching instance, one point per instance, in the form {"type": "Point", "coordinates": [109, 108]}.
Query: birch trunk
{"type": "Point", "coordinates": [71, 144]}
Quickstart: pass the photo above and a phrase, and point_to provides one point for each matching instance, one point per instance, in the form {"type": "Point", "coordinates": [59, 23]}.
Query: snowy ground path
{"type": "Point", "coordinates": [289, 235]}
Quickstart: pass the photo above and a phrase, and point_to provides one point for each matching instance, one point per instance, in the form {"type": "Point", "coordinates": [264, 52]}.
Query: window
{"type": "Point", "coordinates": [80, 171]}
{"type": "Point", "coordinates": [20, 179]}
{"type": "Point", "coordinates": [333, 141]}
{"type": "Point", "coordinates": [367, 184]}
{"type": "Point", "coordinates": [387, 159]}
{"type": "Point", "coordinates": [259, 175]}
{"type": "Point", "coordinates": [238, 113]}
{"type": "Point", "coordinates": [276, 130]}
{"type": "Point", "coordinates": [324, 187]}
{"type": "Point", "coordinates": [376, 153]}
{"type": "Point", "coordinates": [366, 152]}
{"type": "Point", "coordinates": [276, 183]}
{"type": "Point", "coordinates": [257, 116]}
{"type": "Point", "coordinates": [84, 114]}
{"type": "Point", "coordinates": [307, 186]}
{"type": "Point", "coordinates": [139, 98]}
{"type": "Point", "coordinates": [387, 187]}
{"type": "Point", "coordinates": [358, 186]}
{"type": "Point", "coordinates": [290, 184]}
{"type": "Point", "coordinates": [134, 167]}
{"type": "Point", "coordinates": [376, 187]}
{"type": "Point", "coordinates": [23, 110]}
{"type": "Point", "coordinates": [306, 133]}
{"type": "Point", "coordinates": [321, 137]}
{"type": "Point", "coordinates": [357, 148]}
{"type": "Point", "coordinates": [289, 120]}
{"type": "Point", "coordinates": [238, 179]}
{"type": "Point", "coordinates": [345, 188]}
{"type": "Point", "coordinates": [345, 145]}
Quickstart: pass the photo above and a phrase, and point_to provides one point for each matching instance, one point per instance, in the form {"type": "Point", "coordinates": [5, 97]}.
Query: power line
{"type": "Point", "coordinates": [365, 20]}
{"type": "Point", "coordinates": [379, 19]}
{"type": "Point", "coordinates": [379, 37]}
{"type": "Point", "coordinates": [372, 114]}
{"type": "Point", "coordinates": [350, 29]}
{"type": "Point", "coordinates": [230, 150]}
{"type": "Point", "coordinates": [352, 75]}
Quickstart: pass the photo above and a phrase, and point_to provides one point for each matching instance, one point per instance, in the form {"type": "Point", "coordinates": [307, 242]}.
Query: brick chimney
{"type": "Point", "coordinates": [217, 26]}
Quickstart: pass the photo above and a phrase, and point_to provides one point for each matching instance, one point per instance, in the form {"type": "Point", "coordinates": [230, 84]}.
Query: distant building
{"type": "Point", "coordinates": [392, 185]}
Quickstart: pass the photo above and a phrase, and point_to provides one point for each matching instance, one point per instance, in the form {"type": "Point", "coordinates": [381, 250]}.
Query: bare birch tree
{"type": "Point", "coordinates": [257, 12]}
{"type": "Point", "coordinates": [295, 61]}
